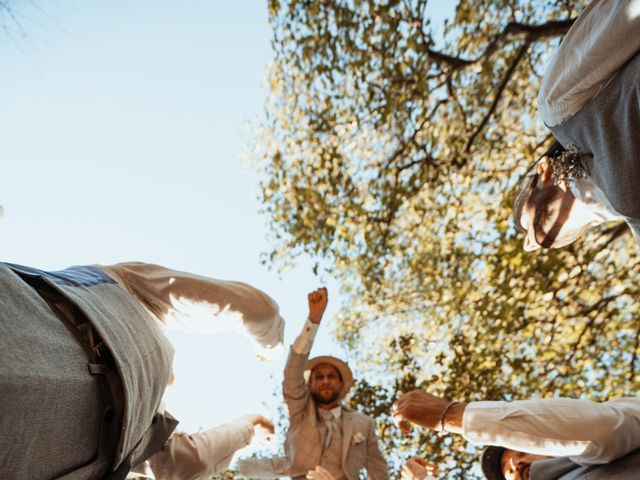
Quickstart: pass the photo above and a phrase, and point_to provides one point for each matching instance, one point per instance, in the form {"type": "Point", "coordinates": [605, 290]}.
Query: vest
{"type": "Point", "coordinates": [625, 468]}
{"type": "Point", "coordinates": [141, 352]}
{"type": "Point", "coordinates": [331, 458]}
{"type": "Point", "coordinates": [608, 128]}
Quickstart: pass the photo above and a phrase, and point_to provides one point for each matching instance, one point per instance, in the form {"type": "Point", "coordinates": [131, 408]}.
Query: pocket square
{"type": "Point", "coordinates": [357, 438]}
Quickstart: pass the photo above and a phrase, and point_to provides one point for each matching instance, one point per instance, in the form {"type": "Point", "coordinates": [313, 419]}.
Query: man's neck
{"type": "Point", "coordinates": [330, 406]}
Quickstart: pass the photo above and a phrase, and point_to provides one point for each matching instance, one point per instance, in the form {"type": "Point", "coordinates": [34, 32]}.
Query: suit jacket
{"type": "Point", "coordinates": [624, 468]}
{"type": "Point", "coordinates": [607, 128]}
{"type": "Point", "coordinates": [305, 438]}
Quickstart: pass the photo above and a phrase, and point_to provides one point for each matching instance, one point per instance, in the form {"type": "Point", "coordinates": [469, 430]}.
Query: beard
{"type": "Point", "coordinates": [325, 400]}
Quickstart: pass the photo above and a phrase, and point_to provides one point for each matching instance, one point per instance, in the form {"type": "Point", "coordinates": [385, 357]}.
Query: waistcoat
{"type": "Point", "coordinates": [625, 468]}
{"type": "Point", "coordinates": [142, 354]}
{"type": "Point", "coordinates": [608, 128]}
{"type": "Point", "coordinates": [331, 458]}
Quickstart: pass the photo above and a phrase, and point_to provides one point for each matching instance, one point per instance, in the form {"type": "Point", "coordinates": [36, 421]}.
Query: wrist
{"type": "Point", "coordinates": [451, 418]}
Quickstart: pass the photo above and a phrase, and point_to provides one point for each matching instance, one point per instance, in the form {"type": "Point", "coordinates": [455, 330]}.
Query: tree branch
{"type": "Point", "coordinates": [496, 99]}
{"type": "Point", "coordinates": [513, 31]}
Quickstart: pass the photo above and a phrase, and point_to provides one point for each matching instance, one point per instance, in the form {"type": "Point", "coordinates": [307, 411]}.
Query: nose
{"type": "Point", "coordinates": [324, 381]}
{"type": "Point", "coordinates": [530, 243]}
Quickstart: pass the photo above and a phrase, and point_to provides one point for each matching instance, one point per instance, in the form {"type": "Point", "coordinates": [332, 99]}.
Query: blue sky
{"type": "Point", "coordinates": [122, 126]}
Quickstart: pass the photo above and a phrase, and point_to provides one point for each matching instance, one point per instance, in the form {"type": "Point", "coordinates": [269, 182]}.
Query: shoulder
{"type": "Point", "coordinates": [359, 417]}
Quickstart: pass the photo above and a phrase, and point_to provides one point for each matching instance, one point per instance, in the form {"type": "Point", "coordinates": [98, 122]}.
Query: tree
{"type": "Point", "coordinates": [390, 155]}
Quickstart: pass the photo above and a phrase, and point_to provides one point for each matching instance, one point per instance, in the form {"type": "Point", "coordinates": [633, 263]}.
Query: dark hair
{"type": "Point", "coordinates": [491, 463]}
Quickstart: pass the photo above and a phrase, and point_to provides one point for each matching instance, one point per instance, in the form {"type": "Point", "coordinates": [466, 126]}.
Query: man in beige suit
{"type": "Point", "coordinates": [322, 432]}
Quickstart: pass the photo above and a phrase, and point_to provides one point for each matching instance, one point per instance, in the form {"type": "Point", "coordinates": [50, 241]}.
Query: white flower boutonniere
{"type": "Point", "coordinates": [357, 438]}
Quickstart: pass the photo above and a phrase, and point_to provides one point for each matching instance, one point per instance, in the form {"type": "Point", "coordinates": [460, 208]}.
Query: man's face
{"type": "Point", "coordinates": [325, 384]}
{"type": "Point", "coordinates": [552, 216]}
{"type": "Point", "coordinates": [516, 465]}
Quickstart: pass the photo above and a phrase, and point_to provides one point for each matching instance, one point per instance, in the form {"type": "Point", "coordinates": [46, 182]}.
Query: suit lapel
{"type": "Point", "coordinates": [347, 433]}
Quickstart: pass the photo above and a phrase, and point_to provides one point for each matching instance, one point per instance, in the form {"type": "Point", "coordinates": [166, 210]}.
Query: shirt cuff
{"type": "Point", "coordinates": [302, 345]}
{"type": "Point", "coordinates": [479, 422]}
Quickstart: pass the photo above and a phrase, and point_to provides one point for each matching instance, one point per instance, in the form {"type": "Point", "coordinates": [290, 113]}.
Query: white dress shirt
{"type": "Point", "coordinates": [196, 304]}
{"type": "Point", "coordinates": [602, 39]}
{"type": "Point", "coordinates": [303, 342]}
{"type": "Point", "coordinates": [199, 455]}
{"type": "Point", "coordinates": [587, 432]}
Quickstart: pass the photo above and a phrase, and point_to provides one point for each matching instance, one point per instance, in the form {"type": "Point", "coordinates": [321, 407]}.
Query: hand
{"type": "Point", "coordinates": [260, 422]}
{"type": "Point", "coordinates": [317, 304]}
{"type": "Point", "coordinates": [418, 407]}
{"type": "Point", "coordinates": [263, 428]}
{"type": "Point", "coordinates": [417, 468]}
{"type": "Point", "coordinates": [320, 474]}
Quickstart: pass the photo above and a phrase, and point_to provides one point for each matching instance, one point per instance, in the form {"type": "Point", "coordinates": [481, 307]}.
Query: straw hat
{"type": "Point", "coordinates": [341, 366]}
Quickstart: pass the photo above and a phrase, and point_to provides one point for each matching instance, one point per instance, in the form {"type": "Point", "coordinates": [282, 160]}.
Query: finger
{"type": "Point", "coordinates": [403, 425]}
{"type": "Point", "coordinates": [403, 399]}
{"type": "Point", "coordinates": [401, 406]}
{"type": "Point", "coordinates": [269, 426]}
{"type": "Point", "coordinates": [398, 404]}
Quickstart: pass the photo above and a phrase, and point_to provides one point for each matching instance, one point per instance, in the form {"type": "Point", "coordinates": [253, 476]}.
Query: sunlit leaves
{"type": "Point", "coordinates": [389, 155]}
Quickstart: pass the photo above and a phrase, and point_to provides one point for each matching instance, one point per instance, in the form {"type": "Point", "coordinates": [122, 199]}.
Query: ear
{"type": "Point", "coordinates": [545, 170]}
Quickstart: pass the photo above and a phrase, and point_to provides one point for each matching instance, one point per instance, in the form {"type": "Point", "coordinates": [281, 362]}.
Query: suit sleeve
{"type": "Point", "coordinates": [294, 388]}
{"type": "Point", "coordinates": [589, 433]}
{"type": "Point", "coordinates": [375, 464]}
{"type": "Point", "coordinates": [197, 304]}
{"type": "Point", "coordinates": [198, 456]}
{"type": "Point", "coordinates": [601, 40]}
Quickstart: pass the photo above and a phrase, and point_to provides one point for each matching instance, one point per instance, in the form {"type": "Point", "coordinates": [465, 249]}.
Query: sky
{"type": "Point", "coordinates": [122, 126]}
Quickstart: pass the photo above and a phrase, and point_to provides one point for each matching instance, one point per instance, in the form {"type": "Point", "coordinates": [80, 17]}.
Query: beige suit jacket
{"type": "Point", "coordinates": [305, 438]}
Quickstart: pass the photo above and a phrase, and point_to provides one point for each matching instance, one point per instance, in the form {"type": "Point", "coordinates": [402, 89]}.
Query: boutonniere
{"type": "Point", "coordinates": [357, 438]}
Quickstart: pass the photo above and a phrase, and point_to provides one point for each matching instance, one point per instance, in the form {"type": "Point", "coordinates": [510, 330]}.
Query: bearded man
{"type": "Point", "coordinates": [322, 432]}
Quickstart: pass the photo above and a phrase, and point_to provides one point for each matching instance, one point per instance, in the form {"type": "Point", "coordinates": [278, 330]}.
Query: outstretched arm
{"type": "Point", "coordinates": [318, 300]}
{"type": "Point", "coordinates": [587, 432]}
{"type": "Point", "coordinates": [200, 455]}
{"type": "Point", "coordinates": [199, 304]}
{"type": "Point", "coordinates": [296, 395]}
{"type": "Point", "coordinates": [428, 411]}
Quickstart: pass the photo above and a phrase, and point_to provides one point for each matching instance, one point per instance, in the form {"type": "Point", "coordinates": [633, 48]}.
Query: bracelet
{"type": "Point", "coordinates": [442, 415]}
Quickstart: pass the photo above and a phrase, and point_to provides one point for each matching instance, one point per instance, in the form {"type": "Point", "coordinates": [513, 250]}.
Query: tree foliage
{"type": "Point", "coordinates": [390, 154]}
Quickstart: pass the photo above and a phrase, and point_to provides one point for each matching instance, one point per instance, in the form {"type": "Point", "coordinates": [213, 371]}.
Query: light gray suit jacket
{"type": "Point", "coordinates": [624, 468]}
{"type": "Point", "coordinates": [305, 438]}
{"type": "Point", "coordinates": [608, 128]}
